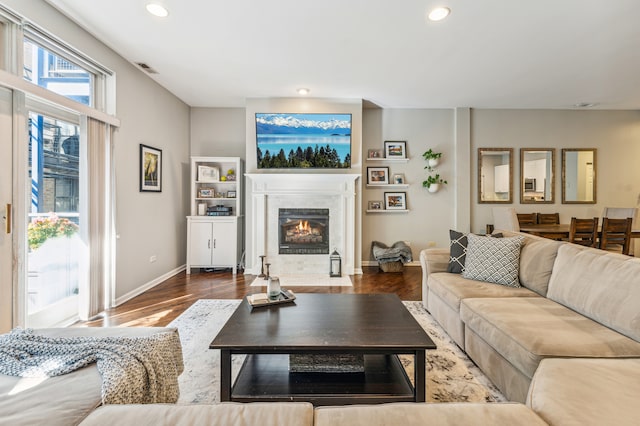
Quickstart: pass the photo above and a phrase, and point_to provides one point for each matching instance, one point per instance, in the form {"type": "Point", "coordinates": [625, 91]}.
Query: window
{"type": "Point", "coordinates": [55, 73]}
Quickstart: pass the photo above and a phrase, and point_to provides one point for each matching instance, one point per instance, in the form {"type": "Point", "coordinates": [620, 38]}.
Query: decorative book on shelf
{"type": "Point", "coordinates": [262, 299]}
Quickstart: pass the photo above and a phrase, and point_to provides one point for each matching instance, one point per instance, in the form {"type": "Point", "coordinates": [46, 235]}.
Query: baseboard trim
{"type": "Point", "coordinates": [138, 291]}
{"type": "Point", "coordinates": [375, 263]}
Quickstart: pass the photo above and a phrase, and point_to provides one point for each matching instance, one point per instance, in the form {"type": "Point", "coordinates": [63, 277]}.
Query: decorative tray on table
{"type": "Point", "coordinates": [262, 299]}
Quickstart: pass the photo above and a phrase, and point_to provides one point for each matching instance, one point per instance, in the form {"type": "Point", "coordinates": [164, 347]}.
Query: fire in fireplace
{"type": "Point", "coordinates": [303, 231]}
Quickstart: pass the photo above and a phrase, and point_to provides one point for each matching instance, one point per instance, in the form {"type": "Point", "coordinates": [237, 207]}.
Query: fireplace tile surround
{"type": "Point", "coordinates": [270, 192]}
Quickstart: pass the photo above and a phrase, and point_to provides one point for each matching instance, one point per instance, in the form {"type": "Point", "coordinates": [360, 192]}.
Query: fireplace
{"type": "Point", "coordinates": [303, 231]}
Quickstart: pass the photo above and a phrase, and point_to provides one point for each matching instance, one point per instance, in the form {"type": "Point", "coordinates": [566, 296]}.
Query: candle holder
{"type": "Point", "coordinates": [262, 275]}
{"type": "Point", "coordinates": [267, 276]}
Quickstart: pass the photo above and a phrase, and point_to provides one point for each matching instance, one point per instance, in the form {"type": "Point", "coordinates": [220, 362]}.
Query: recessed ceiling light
{"type": "Point", "coordinates": [439, 13]}
{"type": "Point", "coordinates": [303, 91]}
{"type": "Point", "coordinates": [157, 10]}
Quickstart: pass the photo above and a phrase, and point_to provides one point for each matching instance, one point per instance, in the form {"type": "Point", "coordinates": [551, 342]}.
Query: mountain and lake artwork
{"type": "Point", "coordinates": [303, 140]}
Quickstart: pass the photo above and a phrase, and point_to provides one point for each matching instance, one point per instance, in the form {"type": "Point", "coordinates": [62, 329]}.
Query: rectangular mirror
{"type": "Point", "coordinates": [579, 176]}
{"type": "Point", "coordinates": [495, 175]}
{"type": "Point", "coordinates": [537, 177]}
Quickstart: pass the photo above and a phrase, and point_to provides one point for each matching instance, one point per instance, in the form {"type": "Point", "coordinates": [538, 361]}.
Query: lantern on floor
{"type": "Point", "coordinates": [335, 264]}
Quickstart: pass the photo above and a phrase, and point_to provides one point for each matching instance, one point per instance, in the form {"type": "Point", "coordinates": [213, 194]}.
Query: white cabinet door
{"type": "Point", "coordinates": [501, 178]}
{"type": "Point", "coordinates": [200, 243]}
{"type": "Point", "coordinates": [225, 240]}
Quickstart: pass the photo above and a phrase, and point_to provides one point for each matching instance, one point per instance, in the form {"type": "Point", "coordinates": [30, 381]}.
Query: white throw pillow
{"type": "Point", "coordinates": [494, 260]}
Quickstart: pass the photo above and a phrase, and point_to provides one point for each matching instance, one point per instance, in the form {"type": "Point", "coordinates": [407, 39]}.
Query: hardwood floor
{"type": "Point", "coordinates": [163, 303]}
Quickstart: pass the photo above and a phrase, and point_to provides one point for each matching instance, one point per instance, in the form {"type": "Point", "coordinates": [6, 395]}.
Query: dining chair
{"type": "Point", "coordinates": [584, 232]}
{"type": "Point", "coordinates": [527, 218]}
{"type": "Point", "coordinates": [623, 213]}
{"type": "Point", "coordinates": [616, 235]}
{"type": "Point", "coordinates": [548, 218]}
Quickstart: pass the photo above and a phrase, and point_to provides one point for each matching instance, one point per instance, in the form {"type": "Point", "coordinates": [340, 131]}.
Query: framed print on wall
{"type": "Point", "coordinates": [395, 149]}
{"type": "Point", "coordinates": [395, 200]}
{"type": "Point", "coordinates": [375, 205]}
{"type": "Point", "coordinates": [377, 175]}
{"type": "Point", "coordinates": [150, 169]}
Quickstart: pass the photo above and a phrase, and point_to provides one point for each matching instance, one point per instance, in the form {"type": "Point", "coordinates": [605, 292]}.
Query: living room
{"type": "Point", "coordinates": [153, 225]}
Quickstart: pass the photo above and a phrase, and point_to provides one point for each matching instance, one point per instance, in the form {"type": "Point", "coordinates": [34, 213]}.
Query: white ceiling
{"type": "Point", "coordinates": [487, 54]}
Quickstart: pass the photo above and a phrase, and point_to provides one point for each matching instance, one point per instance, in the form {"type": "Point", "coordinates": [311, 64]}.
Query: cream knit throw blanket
{"type": "Point", "coordinates": [134, 370]}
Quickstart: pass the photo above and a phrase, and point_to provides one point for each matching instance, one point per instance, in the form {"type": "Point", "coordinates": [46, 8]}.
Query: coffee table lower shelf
{"type": "Point", "coordinates": [266, 377]}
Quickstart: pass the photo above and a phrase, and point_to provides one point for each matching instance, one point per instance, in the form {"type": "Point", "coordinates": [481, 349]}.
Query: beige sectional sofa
{"type": "Point", "coordinates": [564, 347]}
{"type": "Point", "coordinates": [577, 306]}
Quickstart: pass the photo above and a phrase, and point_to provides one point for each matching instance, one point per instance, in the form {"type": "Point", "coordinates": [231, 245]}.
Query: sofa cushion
{"type": "Point", "coordinates": [525, 330]}
{"type": "Point", "coordinates": [458, 250]}
{"type": "Point", "coordinates": [495, 260]}
{"type": "Point", "coordinates": [223, 414]}
{"type": "Point", "coordinates": [585, 392]}
{"type": "Point", "coordinates": [60, 400]}
{"type": "Point", "coordinates": [603, 286]}
{"type": "Point", "coordinates": [452, 288]}
{"type": "Point", "coordinates": [410, 414]}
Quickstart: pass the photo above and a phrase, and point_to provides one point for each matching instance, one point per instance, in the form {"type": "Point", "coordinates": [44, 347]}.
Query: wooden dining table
{"type": "Point", "coordinates": [559, 231]}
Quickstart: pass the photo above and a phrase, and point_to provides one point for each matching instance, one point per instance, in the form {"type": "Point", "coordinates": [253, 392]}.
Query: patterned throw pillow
{"type": "Point", "coordinates": [458, 250]}
{"type": "Point", "coordinates": [494, 260]}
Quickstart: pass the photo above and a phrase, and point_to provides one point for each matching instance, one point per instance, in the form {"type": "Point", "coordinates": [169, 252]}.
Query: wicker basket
{"type": "Point", "coordinates": [396, 266]}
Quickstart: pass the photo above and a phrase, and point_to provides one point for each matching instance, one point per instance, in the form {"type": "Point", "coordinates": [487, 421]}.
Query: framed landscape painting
{"type": "Point", "coordinates": [150, 169]}
{"type": "Point", "coordinates": [377, 175]}
{"type": "Point", "coordinates": [395, 200]}
{"type": "Point", "coordinates": [395, 149]}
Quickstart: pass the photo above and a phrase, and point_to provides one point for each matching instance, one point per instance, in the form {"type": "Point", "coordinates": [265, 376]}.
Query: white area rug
{"type": "Point", "coordinates": [451, 376]}
{"type": "Point", "coordinates": [307, 280]}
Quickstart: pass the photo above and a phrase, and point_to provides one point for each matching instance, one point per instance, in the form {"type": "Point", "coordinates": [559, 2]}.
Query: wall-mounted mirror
{"type": "Point", "coordinates": [495, 175]}
{"type": "Point", "coordinates": [537, 177]}
{"type": "Point", "coordinates": [579, 176]}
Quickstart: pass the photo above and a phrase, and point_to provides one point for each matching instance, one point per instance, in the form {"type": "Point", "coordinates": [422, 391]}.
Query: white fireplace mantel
{"type": "Point", "coordinates": [270, 191]}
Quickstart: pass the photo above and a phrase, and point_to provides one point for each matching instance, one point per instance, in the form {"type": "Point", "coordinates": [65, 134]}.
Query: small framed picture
{"type": "Point", "coordinates": [375, 153]}
{"type": "Point", "coordinates": [395, 149]}
{"type": "Point", "coordinates": [375, 205]}
{"type": "Point", "coordinates": [398, 178]}
{"type": "Point", "coordinates": [231, 194]}
{"type": "Point", "coordinates": [395, 200]}
{"type": "Point", "coordinates": [206, 193]}
{"type": "Point", "coordinates": [377, 175]}
{"type": "Point", "coordinates": [150, 169]}
{"type": "Point", "coordinates": [208, 174]}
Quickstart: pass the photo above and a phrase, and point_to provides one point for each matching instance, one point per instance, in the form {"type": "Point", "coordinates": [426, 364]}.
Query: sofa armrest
{"type": "Point", "coordinates": [432, 260]}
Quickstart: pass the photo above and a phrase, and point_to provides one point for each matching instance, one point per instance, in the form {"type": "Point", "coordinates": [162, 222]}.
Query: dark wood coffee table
{"type": "Point", "coordinates": [377, 326]}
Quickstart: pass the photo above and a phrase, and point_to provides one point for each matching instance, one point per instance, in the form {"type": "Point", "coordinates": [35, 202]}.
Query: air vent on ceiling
{"type": "Point", "coordinates": [146, 67]}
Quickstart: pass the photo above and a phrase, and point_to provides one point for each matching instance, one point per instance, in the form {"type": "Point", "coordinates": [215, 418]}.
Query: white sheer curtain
{"type": "Point", "coordinates": [95, 294]}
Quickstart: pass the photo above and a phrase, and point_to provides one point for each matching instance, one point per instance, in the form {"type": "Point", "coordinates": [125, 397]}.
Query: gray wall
{"type": "Point", "coordinates": [147, 223]}
{"type": "Point", "coordinates": [457, 133]}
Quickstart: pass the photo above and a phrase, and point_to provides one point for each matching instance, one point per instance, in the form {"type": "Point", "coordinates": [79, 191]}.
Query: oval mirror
{"type": "Point", "coordinates": [579, 176]}
{"type": "Point", "coordinates": [537, 179]}
{"type": "Point", "coordinates": [495, 175]}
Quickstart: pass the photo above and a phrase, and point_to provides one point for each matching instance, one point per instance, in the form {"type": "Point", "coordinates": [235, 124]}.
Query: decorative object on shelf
{"type": "Point", "coordinates": [395, 200]}
{"type": "Point", "coordinates": [335, 264]}
{"type": "Point", "coordinates": [432, 158]}
{"type": "Point", "coordinates": [433, 183]}
{"type": "Point", "coordinates": [205, 193]}
{"type": "Point", "coordinates": [398, 178]}
{"type": "Point", "coordinates": [262, 274]}
{"type": "Point", "coordinates": [377, 175]}
{"type": "Point", "coordinates": [375, 153]}
{"type": "Point", "coordinates": [231, 194]}
{"type": "Point", "coordinates": [202, 209]}
{"type": "Point", "coordinates": [231, 175]}
{"type": "Point", "coordinates": [375, 205]}
{"type": "Point", "coordinates": [395, 149]}
{"type": "Point", "coordinates": [150, 169]}
{"type": "Point", "coordinates": [208, 174]}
